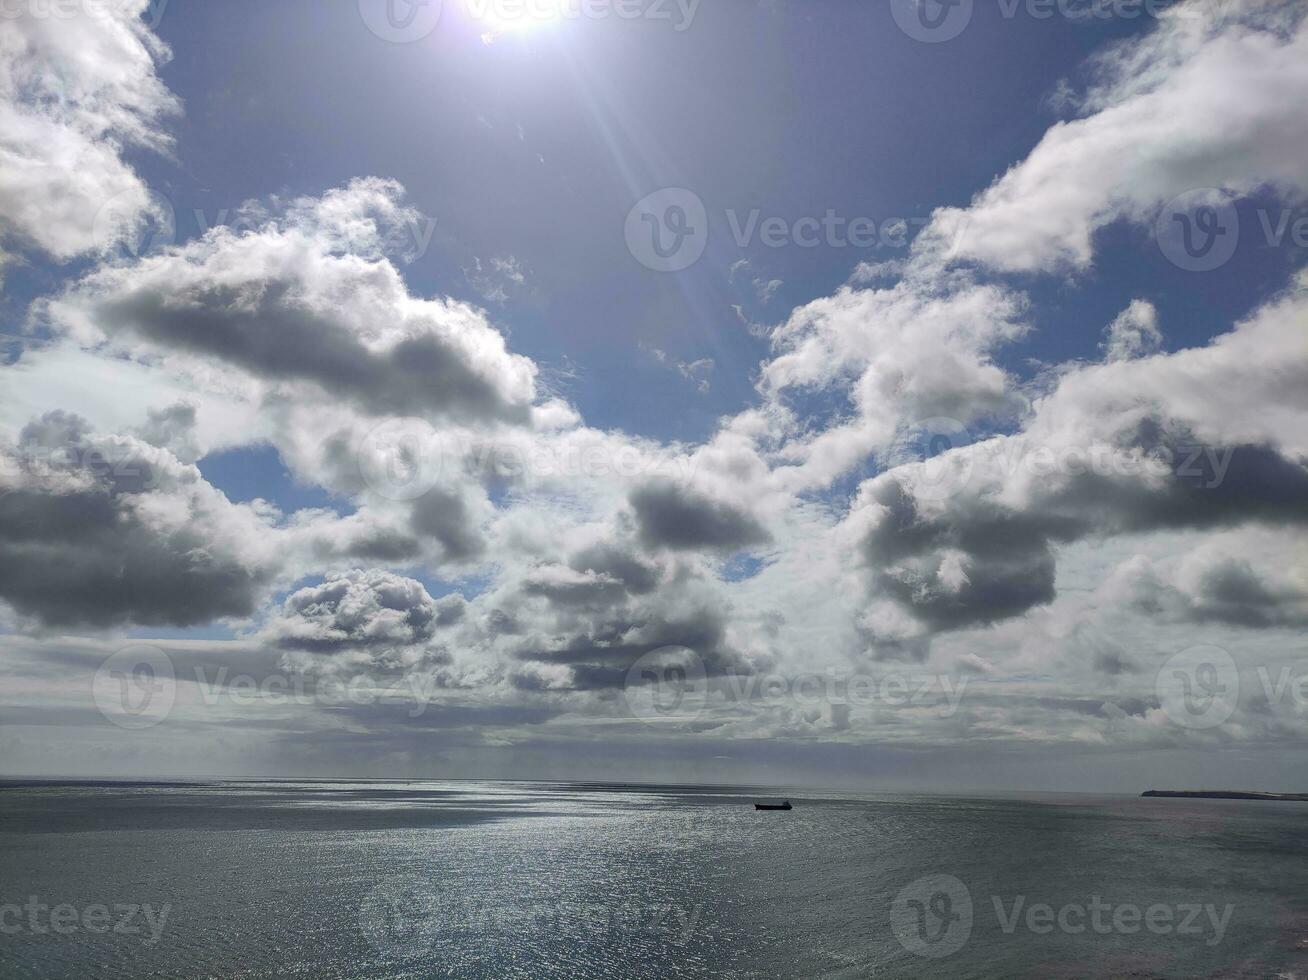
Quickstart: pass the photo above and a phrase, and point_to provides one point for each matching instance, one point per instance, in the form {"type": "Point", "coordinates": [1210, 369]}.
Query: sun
{"type": "Point", "coordinates": [515, 16]}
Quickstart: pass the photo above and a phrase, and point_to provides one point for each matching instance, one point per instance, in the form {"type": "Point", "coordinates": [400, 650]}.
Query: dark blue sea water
{"type": "Point", "coordinates": [376, 880]}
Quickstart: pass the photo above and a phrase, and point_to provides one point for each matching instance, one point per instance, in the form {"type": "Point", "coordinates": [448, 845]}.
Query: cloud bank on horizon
{"type": "Point", "coordinates": [899, 499]}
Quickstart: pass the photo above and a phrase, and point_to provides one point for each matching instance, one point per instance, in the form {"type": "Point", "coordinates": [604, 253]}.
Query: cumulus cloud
{"type": "Point", "coordinates": [919, 350]}
{"type": "Point", "coordinates": [599, 649]}
{"type": "Point", "coordinates": [173, 428]}
{"type": "Point", "coordinates": [1213, 97]}
{"type": "Point", "coordinates": [309, 297]}
{"type": "Point", "coordinates": [102, 530]}
{"type": "Point", "coordinates": [356, 610]}
{"type": "Point", "coordinates": [1240, 579]}
{"type": "Point", "coordinates": [447, 518]}
{"type": "Point", "coordinates": [75, 91]}
{"type": "Point", "coordinates": [1116, 449]}
{"type": "Point", "coordinates": [676, 517]}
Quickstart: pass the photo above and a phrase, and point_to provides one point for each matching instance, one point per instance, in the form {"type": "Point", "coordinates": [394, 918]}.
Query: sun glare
{"type": "Point", "coordinates": [515, 16]}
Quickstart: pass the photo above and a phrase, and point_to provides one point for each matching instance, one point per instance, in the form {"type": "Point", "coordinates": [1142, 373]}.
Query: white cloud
{"type": "Point", "coordinates": [355, 610]}
{"type": "Point", "coordinates": [903, 355]}
{"type": "Point", "coordinates": [75, 92]}
{"type": "Point", "coordinates": [1134, 332]}
{"type": "Point", "coordinates": [1121, 448]}
{"type": "Point", "coordinates": [1205, 100]}
{"type": "Point", "coordinates": [309, 298]}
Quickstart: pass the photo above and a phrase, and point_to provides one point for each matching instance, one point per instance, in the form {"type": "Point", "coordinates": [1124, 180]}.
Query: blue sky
{"type": "Point", "coordinates": [373, 249]}
{"type": "Point", "coordinates": [793, 110]}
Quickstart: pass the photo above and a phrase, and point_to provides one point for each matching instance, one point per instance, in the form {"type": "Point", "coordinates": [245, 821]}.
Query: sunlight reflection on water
{"type": "Point", "coordinates": [472, 880]}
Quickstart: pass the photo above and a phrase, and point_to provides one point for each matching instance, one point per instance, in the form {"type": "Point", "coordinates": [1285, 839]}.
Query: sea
{"type": "Point", "coordinates": [384, 879]}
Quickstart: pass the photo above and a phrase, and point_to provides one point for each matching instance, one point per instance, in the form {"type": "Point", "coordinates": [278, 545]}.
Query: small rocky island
{"type": "Point", "coordinates": [1227, 794]}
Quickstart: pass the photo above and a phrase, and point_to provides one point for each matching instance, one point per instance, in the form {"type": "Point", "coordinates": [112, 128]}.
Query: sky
{"type": "Point", "coordinates": [895, 394]}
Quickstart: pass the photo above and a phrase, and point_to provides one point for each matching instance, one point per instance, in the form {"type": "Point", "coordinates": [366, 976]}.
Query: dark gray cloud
{"type": "Point", "coordinates": [172, 428]}
{"type": "Point", "coordinates": [637, 575]}
{"type": "Point", "coordinates": [308, 296]}
{"type": "Point", "coordinates": [670, 516]}
{"type": "Point", "coordinates": [451, 609]}
{"type": "Point", "coordinates": [982, 559]}
{"type": "Point", "coordinates": [1228, 590]}
{"type": "Point", "coordinates": [1232, 592]}
{"type": "Point", "coordinates": [499, 622]}
{"type": "Point", "coordinates": [380, 544]}
{"type": "Point", "coordinates": [1004, 562]}
{"type": "Point", "coordinates": [101, 531]}
{"type": "Point", "coordinates": [599, 655]}
{"type": "Point", "coordinates": [444, 516]}
{"type": "Point", "coordinates": [76, 559]}
{"type": "Point", "coordinates": [565, 587]}
{"type": "Point", "coordinates": [274, 333]}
